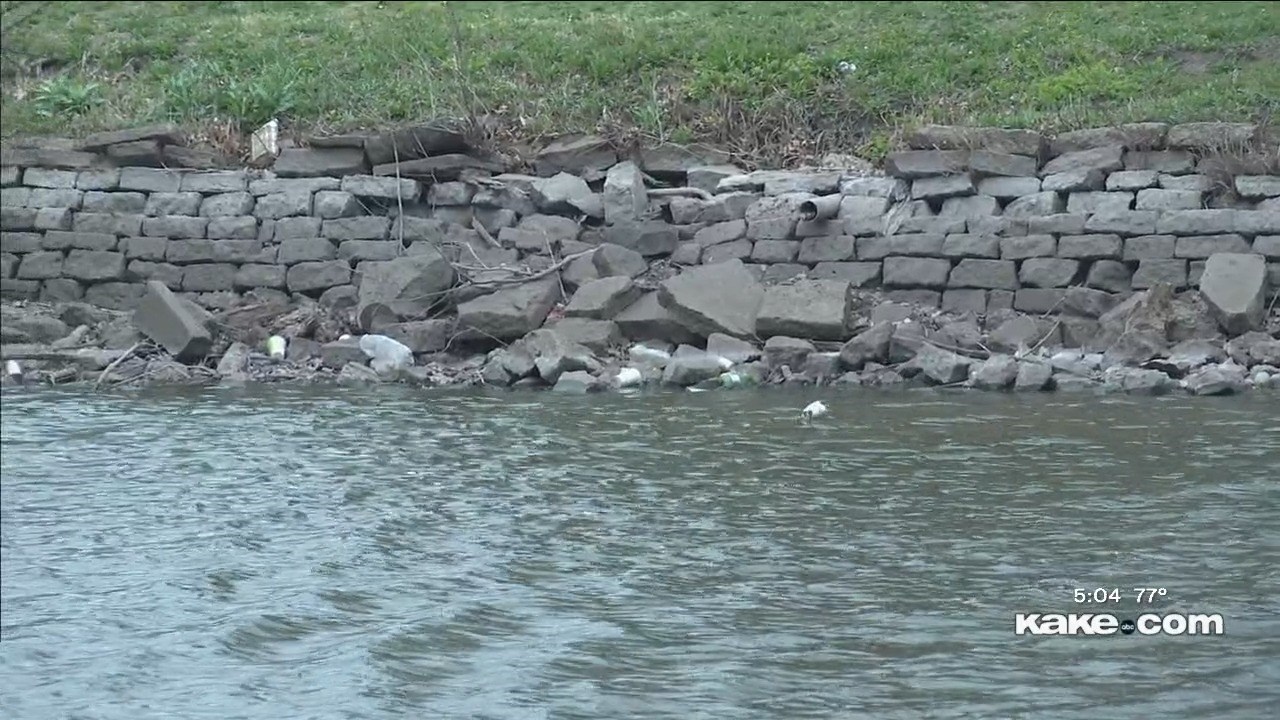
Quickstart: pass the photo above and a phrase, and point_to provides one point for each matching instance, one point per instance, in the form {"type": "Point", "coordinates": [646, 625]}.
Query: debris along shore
{"type": "Point", "coordinates": [1154, 342]}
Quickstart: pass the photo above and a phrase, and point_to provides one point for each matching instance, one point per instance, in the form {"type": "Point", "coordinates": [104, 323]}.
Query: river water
{"type": "Point", "coordinates": [393, 553]}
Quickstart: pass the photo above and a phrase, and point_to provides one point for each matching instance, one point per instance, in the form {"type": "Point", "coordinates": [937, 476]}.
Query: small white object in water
{"type": "Point", "coordinates": [813, 410]}
{"type": "Point", "coordinates": [276, 347]}
{"type": "Point", "coordinates": [386, 353]}
{"type": "Point", "coordinates": [646, 354]}
{"type": "Point", "coordinates": [628, 377]}
{"type": "Point", "coordinates": [344, 336]}
{"type": "Point", "coordinates": [13, 370]}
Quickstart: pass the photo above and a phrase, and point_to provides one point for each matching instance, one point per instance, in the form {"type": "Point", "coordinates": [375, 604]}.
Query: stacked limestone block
{"type": "Point", "coordinates": [986, 219]}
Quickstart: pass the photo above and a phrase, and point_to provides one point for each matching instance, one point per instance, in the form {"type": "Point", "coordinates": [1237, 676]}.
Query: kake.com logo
{"type": "Point", "coordinates": [1086, 624]}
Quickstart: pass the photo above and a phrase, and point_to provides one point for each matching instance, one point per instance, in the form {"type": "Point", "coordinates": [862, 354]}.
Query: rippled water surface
{"type": "Point", "coordinates": [390, 553]}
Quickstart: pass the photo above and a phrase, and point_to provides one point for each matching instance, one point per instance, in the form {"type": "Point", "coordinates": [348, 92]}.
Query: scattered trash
{"type": "Point", "coordinates": [387, 354]}
{"type": "Point", "coordinates": [265, 141]}
{"type": "Point", "coordinates": [629, 377]}
{"type": "Point", "coordinates": [731, 380]}
{"type": "Point", "coordinates": [648, 355]}
{"type": "Point", "coordinates": [813, 409]}
{"type": "Point", "coordinates": [14, 371]}
{"type": "Point", "coordinates": [846, 67]}
{"type": "Point", "coordinates": [725, 363]}
{"type": "Point", "coordinates": [276, 347]}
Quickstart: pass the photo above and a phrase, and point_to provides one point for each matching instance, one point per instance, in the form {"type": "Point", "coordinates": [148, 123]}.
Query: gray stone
{"type": "Point", "coordinates": [691, 369]}
{"type": "Point", "coordinates": [406, 287]}
{"type": "Point", "coordinates": [1149, 247]}
{"type": "Point", "coordinates": [773, 251]}
{"type": "Point", "coordinates": [1123, 222]}
{"type": "Point", "coordinates": [1048, 272]}
{"type": "Point", "coordinates": [1058, 224]}
{"type": "Point", "coordinates": [986, 162]}
{"type": "Point", "coordinates": [783, 182]}
{"type": "Point", "coordinates": [297, 250]}
{"type": "Point", "coordinates": [687, 253]}
{"type": "Point", "coordinates": [942, 367]}
{"type": "Point", "coordinates": [313, 162]}
{"type": "Point", "coordinates": [226, 204]}
{"type": "Point", "coordinates": [54, 219]}
{"type": "Point", "coordinates": [781, 272]}
{"type": "Point", "coordinates": [1027, 246]}
{"type": "Point", "coordinates": [916, 272]}
{"type": "Point", "coordinates": [566, 194]}
{"type": "Point", "coordinates": [177, 203]}
{"type": "Point", "coordinates": [881, 187]}
{"type": "Point", "coordinates": [625, 198]}
{"type": "Point", "coordinates": [382, 187]}
{"type": "Point", "coordinates": [1075, 181]}
{"type": "Point", "coordinates": [339, 353]}
{"type": "Point", "coordinates": [721, 233]}
{"type": "Point", "coordinates": [512, 312]}
{"type": "Point", "coordinates": [871, 345]}
{"type": "Point", "coordinates": [1254, 186]}
{"type": "Point", "coordinates": [890, 312]}
{"type": "Point", "coordinates": [43, 198]}
{"type": "Point", "coordinates": [857, 274]}
{"type": "Point", "coordinates": [929, 244]}
{"type": "Point", "coordinates": [721, 298]}
{"type": "Point", "coordinates": [1177, 162]}
{"type": "Point", "coordinates": [1042, 203]}
{"type": "Point", "coordinates": [103, 223]}
{"type": "Point", "coordinates": [242, 228]}
{"type": "Point", "coordinates": [1090, 247]}
{"type": "Point", "coordinates": [1155, 199]}
{"type": "Point", "coordinates": [40, 266]}
{"type": "Point", "coordinates": [577, 382]}
{"type": "Point", "coordinates": [872, 248]}
{"type": "Point", "coordinates": [172, 323]}
{"type": "Point", "coordinates": [14, 242]}
{"type": "Point", "coordinates": [1198, 183]}
{"type": "Point", "coordinates": [175, 226]}
{"type": "Point", "coordinates": [647, 319]}
{"type": "Point", "coordinates": [1110, 275]}
{"type": "Point", "coordinates": [539, 232]}
{"type": "Point", "coordinates": [1133, 381]}
{"type": "Point", "coordinates": [1099, 202]}
{"type": "Point", "coordinates": [216, 181]}
{"type": "Point", "coordinates": [1216, 380]}
{"type": "Point", "coordinates": [1007, 188]}
{"type": "Point", "coordinates": [322, 275]}
{"type": "Point", "coordinates": [376, 250]}
{"type": "Point", "coordinates": [932, 225]}
{"type": "Point", "coordinates": [975, 246]}
{"type": "Point", "coordinates": [912, 164]}
{"type": "Point", "coordinates": [774, 218]}
{"type": "Point", "coordinates": [610, 259]}
{"type": "Point", "coordinates": [333, 204]}
{"type": "Point", "coordinates": [208, 277]}
{"type": "Point", "coordinates": [974, 206]}
{"type": "Point", "coordinates": [987, 274]}
{"type": "Point", "coordinates": [995, 373]}
{"type": "Point", "coordinates": [649, 238]}
{"type": "Point", "coordinates": [1038, 300]}
{"type": "Point", "coordinates": [826, 249]}
{"type": "Point", "coordinates": [1202, 246]}
{"type": "Point", "coordinates": [944, 186]}
{"type": "Point", "coordinates": [860, 215]}
{"type": "Point", "coordinates": [1234, 286]}
{"type": "Point", "coordinates": [1018, 333]}
{"type": "Point", "coordinates": [292, 186]}
{"type": "Point", "coordinates": [296, 227]}
{"type": "Point", "coordinates": [152, 180]}
{"type": "Point", "coordinates": [289, 204]}
{"type": "Point", "coordinates": [603, 299]}
{"type": "Point", "coordinates": [965, 300]}
{"type": "Point", "coordinates": [1032, 377]}
{"type": "Point", "coordinates": [1267, 246]}
{"type": "Point", "coordinates": [10, 175]}
{"type": "Point", "coordinates": [48, 178]}
{"type": "Point", "coordinates": [259, 276]}
{"type": "Point", "coordinates": [61, 290]}
{"type": "Point", "coordinates": [951, 137]}
{"type": "Point", "coordinates": [59, 240]}
{"type": "Point", "coordinates": [1153, 271]}
{"type": "Point", "coordinates": [1132, 180]}
{"type": "Point", "coordinates": [1258, 222]}
{"type": "Point", "coordinates": [94, 265]}
{"type": "Point", "coordinates": [115, 295]}
{"type": "Point", "coordinates": [356, 228]}
{"type": "Point", "coordinates": [708, 177]}
{"type": "Point", "coordinates": [1105, 159]}
{"type": "Point", "coordinates": [1211, 135]}
{"type": "Point", "coordinates": [451, 194]}
{"type": "Point", "coordinates": [781, 350]}
{"type": "Point", "coordinates": [1197, 222]}
{"type": "Point", "coordinates": [814, 309]}
{"type": "Point", "coordinates": [14, 197]}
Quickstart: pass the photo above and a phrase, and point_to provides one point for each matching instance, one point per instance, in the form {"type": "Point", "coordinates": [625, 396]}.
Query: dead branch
{"type": "Point", "coordinates": [116, 363]}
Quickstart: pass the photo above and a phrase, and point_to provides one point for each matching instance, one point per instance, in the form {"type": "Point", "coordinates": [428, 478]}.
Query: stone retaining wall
{"type": "Point", "coordinates": [968, 219]}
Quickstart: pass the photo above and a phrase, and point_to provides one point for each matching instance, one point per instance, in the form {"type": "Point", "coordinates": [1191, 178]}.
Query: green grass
{"type": "Point", "coordinates": [758, 77]}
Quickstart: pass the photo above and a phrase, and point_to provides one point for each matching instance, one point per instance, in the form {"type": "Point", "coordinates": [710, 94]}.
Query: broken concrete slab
{"type": "Point", "coordinates": [1235, 287]}
{"type": "Point", "coordinates": [810, 309]}
{"type": "Point", "coordinates": [604, 298]}
{"type": "Point", "coordinates": [173, 323]}
{"type": "Point", "coordinates": [511, 312]}
{"type": "Point", "coordinates": [723, 297]}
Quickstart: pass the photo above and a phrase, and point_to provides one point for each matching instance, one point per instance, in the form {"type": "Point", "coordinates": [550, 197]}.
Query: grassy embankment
{"type": "Point", "coordinates": [763, 78]}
